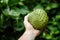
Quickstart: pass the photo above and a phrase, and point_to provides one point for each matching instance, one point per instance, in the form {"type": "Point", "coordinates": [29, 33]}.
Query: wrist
{"type": "Point", "coordinates": [34, 32]}
{"type": "Point", "coordinates": [31, 33]}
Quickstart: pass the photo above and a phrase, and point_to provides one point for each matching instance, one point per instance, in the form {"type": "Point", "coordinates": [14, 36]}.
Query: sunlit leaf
{"type": "Point", "coordinates": [14, 13]}
{"type": "Point", "coordinates": [51, 6]}
{"type": "Point", "coordinates": [24, 10]}
{"type": "Point", "coordinates": [48, 36]}
{"type": "Point", "coordinates": [4, 1]}
{"type": "Point", "coordinates": [54, 5]}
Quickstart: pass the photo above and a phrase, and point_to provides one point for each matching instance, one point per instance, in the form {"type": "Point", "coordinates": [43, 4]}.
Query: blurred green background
{"type": "Point", "coordinates": [12, 14]}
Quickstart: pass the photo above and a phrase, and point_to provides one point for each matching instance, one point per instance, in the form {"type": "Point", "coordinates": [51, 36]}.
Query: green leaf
{"type": "Point", "coordinates": [48, 36]}
{"type": "Point", "coordinates": [19, 26]}
{"type": "Point", "coordinates": [57, 16]}
{"type": "Point", "coordinates": [38, 6]}
{"type": "Point", "coordinates": [44, 1]}
{"type": "Point", "coordinates": [18, 29]}
{"type": "Point", "coordinates": [51, 6]}
{"type": "Point", "coordinates": [54, 5]}
{"type": "Point", "coordinates": [44, 34]}
{"type": "Point", "coordinates": [53, 30]}
{"type": "Point", "coordinates": [14, 13]}
{"type": "Point", "coordinates": [4, 1]}
{"type": "Point", "coordinates": [55, 38]}
{"type": "Point", "coordinates": [2, 20]}
{"type": "Point", "coordinates": [48, 7]}
{"type": "Point", "coordinates": [13, 2]}
{"type": "Point", "coordinates": [24, 10]}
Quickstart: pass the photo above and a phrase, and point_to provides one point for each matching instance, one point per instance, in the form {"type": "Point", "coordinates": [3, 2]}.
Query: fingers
{"type": "Point", "coordinates": [26, 18]}
{"type": "Point", "coordinates": [27, 24]}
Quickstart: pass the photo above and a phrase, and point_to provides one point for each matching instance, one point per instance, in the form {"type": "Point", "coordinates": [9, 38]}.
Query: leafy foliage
{"type": "Point", "coordinates": [12, 14]}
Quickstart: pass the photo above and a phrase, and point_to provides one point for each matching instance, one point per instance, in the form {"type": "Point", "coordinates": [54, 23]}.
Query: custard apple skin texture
{"type": "Point", "coordinates": [38, 19]}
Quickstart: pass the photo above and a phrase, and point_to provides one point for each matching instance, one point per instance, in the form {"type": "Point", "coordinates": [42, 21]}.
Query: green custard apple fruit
{"type": "Point", "coordinates": [38, 19]}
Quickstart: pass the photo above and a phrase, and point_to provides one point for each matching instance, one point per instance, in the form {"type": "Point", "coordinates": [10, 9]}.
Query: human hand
{"type": "Point", "coordinates": [29, 27]}
{"type": "Point", "coordinates": [30, 32]}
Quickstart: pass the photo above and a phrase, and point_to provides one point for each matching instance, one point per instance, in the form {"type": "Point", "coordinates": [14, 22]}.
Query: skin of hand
{"type": "Point", "coordinates": [30, 33]}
